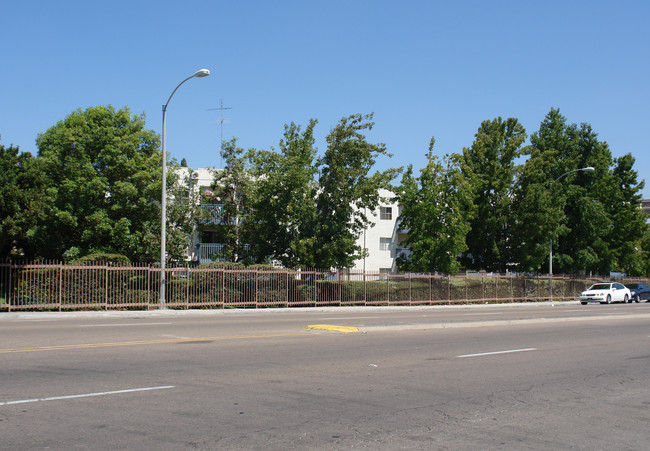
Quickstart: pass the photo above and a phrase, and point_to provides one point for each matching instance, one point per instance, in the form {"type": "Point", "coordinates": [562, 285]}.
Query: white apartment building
{"type": "Point", "coordinates": [381, 239]}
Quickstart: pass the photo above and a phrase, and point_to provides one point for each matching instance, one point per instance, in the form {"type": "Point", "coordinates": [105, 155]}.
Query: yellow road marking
{"type": "Point", "coordinates": [344, 329]}
{"type": "Point", "coordinates": [143, 342]}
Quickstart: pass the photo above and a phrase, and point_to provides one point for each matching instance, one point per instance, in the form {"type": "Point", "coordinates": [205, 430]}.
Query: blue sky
{"type": "Point", "coordinates": [425, 68]}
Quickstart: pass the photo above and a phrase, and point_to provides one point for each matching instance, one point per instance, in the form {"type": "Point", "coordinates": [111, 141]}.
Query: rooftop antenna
{"type": "Point", "coordinates": [221, 108]}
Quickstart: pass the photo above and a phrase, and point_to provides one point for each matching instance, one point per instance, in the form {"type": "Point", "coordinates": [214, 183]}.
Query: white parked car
{"type": "Point", "coordinates": [606, 293]}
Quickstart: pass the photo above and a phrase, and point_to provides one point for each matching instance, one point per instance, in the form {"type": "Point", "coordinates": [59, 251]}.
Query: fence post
{"type": "Point", "coordinates": [106, 286]}
{"type": "Point", "coordinates": [315, 294]}
{"type": "Point", "coordinates": [466, 293]}
{"type": "Point", "coordinates": [483, 287]}
{"type": "Point", "coordinates": [10, 297]}
{"type": "Point", "coordinates": [60, 284]}
{"type": "Point", "coordinates": [449, 289]}
{"type": "Point", "coordinates": [223, 288]}
{"type": "Point", "coordinates": [257, 289]}
{"type": "Point", "coordinates": [187, 285]}
{"type": "Point", "coordinates": [388, 288]}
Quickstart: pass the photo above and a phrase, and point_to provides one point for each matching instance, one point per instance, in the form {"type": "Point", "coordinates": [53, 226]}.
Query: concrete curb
{"type": "Point", "coordinates": [263, 311]}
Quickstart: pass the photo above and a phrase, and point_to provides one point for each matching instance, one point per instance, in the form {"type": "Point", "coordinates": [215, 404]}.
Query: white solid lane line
{"type": "Point", "coordinates": [482, 314]}
{"type": "Point", "coordinates": [85, 395]}
{"type": "Point", "coordinates": [125, 324]}
{"type": "Point", "coordinates": [351, 317]}
{"type": "Point", "coordinates": [497, 352]}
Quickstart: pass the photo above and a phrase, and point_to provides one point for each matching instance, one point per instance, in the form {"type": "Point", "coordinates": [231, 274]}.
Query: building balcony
{"type": "Point", "coordinates": [213, 252]}
{"type": "Point", "coordinates": [213, 214]}
{"type": "Point", "coordinates": [210, 252]}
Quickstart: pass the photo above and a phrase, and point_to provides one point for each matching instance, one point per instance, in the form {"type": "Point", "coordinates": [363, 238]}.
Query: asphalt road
{"type": "Point", "coordinates": [542, 376]}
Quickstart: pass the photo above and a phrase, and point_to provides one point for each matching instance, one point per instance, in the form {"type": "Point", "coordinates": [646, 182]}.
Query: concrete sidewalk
{"type": "Point", "coordinates": [263, 311]}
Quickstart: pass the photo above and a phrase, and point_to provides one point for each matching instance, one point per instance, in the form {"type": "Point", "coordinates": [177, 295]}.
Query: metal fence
{"type": "Point", "coordinates": [59, 286]}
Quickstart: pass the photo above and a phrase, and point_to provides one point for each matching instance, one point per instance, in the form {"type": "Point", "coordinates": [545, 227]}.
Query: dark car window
{"type": "Point", "coordinates": [618, 286]}
{"type": "Point", "coordinates": [600, 286]}
{"type": "Point", "coordinates": [632, 286]}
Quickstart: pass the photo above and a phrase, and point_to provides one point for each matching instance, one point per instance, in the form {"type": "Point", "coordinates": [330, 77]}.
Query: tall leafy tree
{"type": "Point", "coordinates": [435, 208]}
{"type": "Point", "coordinates": [580, 242]}
{"type": "Point", "coordinates": [536, 212]}
{"type": "Point", "coordinates": [629, 220]}
{"type": "Point", "coordinates": [284, 201]}
{"type": "Point", "coordinates": [22, 201]}
{"type": "Point", "coordinates": [347, 189]}
{"type": "Point", "coordinates": [183, 209]}
{"type": "Point", "coordinates": [232, 189]}
{"type": "Point", "coordinates": [490, 164]}
{"type": "Point", "coordinates": [102, 167]}
{"type": "Point", "coordinates": [644, 250]}
{"type": "Point", "coordinates": [601, 226]}
{"type": "Point", "coordinates": [586, 244]}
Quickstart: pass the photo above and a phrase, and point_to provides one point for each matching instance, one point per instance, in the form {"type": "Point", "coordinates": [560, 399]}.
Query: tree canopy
{"type": "Point", "coordinates": [22, 201]}
{"type": "Point", "coordinates": [103, 186]}
{"type": "Point", "coordinates": [498, 205]}
{"type": "Point", "coordinates": [436, 208]}
{"type": "Point", "coordinates": [490, 166]}
{"type": "Point", "coordinates": [308, 211]}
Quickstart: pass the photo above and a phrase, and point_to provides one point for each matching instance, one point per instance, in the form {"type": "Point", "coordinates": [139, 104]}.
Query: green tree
{"type": "Point", "coordinates": [232, 189]}
{"type": "Point", "coordinates": [284, 201]}
{"type": "Point", "coordinates": [629, 220]}
{"type": "Point", "coordinates": [490, 165]}
{"type": "Point", "coordinates": [585, 246]}
{"type": "Point", "coordinates": [435, 209]}
{"type": "Point", "coordinates": [644, 250]}
{"type": "Point", "coordinates": [601, 227]}
{"type": "Point", "coordinates": [581, 241]}
{"type": "Point", "coordinates": [22, 201]}
{"type": "Point", "coordinates": [183, 209]}
{"type": "Point", "coordinates": [536, 212]}
{"type": "Point", "coordinates": [346, 191]}
{"type": "Point", "coordinates": [103, 177]}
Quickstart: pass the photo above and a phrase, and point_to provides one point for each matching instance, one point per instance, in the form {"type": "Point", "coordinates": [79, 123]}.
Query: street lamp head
{"type": "Point", "coordinates": [588, 168]}
{"type": "Point", "coordinates": [201, 73]}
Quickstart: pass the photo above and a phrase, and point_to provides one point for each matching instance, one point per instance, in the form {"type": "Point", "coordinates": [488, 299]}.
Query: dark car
{"type": "Point", "coordinates": [639, 291]}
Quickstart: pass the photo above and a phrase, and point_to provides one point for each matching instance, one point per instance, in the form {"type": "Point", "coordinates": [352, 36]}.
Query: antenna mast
{"type": "Point", "coordinates": [221, 108]}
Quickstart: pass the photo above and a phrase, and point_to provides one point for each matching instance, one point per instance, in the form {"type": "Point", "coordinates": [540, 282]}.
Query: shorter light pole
{"type": "Point", "coordinates": [550, 254]}
{"type": "Point", "coordinates": [163, 202]}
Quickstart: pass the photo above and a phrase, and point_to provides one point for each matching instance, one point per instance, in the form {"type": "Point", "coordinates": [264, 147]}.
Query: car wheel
{"type": "Point", "coordinates": [609, 299]}
{"type": "Point", "coordinates": [636, 299]}
{"type": "Point", "coordinates": [583, 303]}
{"type": "Point", "coordinates": [626, 299]}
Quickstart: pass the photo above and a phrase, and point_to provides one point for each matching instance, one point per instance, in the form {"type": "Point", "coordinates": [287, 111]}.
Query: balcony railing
{"type": "Point", "coordinates": [214, 214]}
{"type": "Point", "coordinates": [402, 251]}
{"type": "Point", "coordinates": [211, 213]}
{"type": "Point", "coordinates": [211, 252]}
{"type": "Point", "coordinates": [214, 252]}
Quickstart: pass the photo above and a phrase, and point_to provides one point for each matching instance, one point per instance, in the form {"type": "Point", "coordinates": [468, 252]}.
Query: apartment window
{"type": "Point", "coordinates": [384, 244]}
{"type": "Point", "coordinates": [386, 213]}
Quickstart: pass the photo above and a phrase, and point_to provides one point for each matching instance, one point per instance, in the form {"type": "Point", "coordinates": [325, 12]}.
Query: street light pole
{"type": "Point", "coordinates": [163, 203]}
{"type": "Point", "coordinates": [550, 253]}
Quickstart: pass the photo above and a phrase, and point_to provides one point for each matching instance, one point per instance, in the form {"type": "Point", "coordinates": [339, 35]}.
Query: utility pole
{"type": "Point", "coordinates": [221, 108]}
